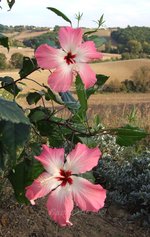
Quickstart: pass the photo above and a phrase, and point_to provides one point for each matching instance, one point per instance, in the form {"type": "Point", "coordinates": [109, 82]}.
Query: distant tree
{"type": "Point", "coordinates": [16, 60]}
{"type": "Point", "coordinates": [113, 86]}
{"type": "Point", "coordinates": [134, 46]}
{"type": "Point", "coordinates": [3, 61]}
{"type": "Point", "coordinates": [125, 56]}
{"type": "Point", "coordinates": [56, 28]}
{"type": "Point", "coordinates": [146, 47]}
{"type": "Point", "coordinates": [141, 79]}
{"type": "Point", "coordinates": [129, 86]}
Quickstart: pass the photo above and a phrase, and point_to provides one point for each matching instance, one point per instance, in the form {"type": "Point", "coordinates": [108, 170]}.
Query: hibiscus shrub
{"type": "Point", "coordinates": [23, 131]}
{"type": "Point", "coordinates": [127, 184]}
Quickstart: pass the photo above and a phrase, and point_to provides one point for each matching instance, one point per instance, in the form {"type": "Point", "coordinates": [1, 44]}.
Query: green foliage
{"type": "Point", "coordinates": [132, 39]}
{"type": "Point", "coordinates": [34, 97]}
{"type": "Point", "coordinates": [23, 132]}
{"type": "Point", "coordinates": [9, 85]}
{"type": "Point", "coordinates": [99, 23]}
{"type": "Point", "coordinates": [10, 111]}
{"type": "Point", "coordinates": [128, 135]}
{"type": "Point", "coordinates": [82, 97]}
{"type": "Point", "coordinates": [49, 38]}
{"type": "Point", "coordinates": [3, 62]}
{"type": "Point", "coordinates": [78, 16]}
{"type": "Point", "coordinates": [123, 35]}
{"type": "Point", "coordinates": [113, 86]}
{"type": "Point", "coordinates": [14, 132]}
{"type": "Point", "coordinates": [99, 41]}
{"type": "Point", "coordinates": [101, 79]}
{"type": "Point", "coordinates": [141, 79]}
{"type": "Point", "coordinates": [29, 66]}
{"type": "Point", "coordinates": [4, 41]}
{"type": "Point", "coordinates": [139, 82]}
{"type": "Point", "coordinates": [127, 184]}
{"type": "Point", "coordinates": [25, 172]}
{"type": "Point", "coordinates": [59, 13]}
{"type": "Point", "coordinates": [16, 60]}
{"type": "Point", "coordinates": [10, 3]}
{"type": "Point", "coordinates": [134, 46]}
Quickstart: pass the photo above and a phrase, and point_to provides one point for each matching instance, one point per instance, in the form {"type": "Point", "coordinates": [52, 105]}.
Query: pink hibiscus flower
{"type": "Point", "coordinates": [68, 61]}
{"type": "Point", "coordinates": [65, 187]}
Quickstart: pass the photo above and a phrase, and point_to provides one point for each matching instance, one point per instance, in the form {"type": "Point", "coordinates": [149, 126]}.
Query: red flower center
{"type": "Point", "coordinates": [70, 58]}
{"type": "Point", "coordinates": [65, 177]}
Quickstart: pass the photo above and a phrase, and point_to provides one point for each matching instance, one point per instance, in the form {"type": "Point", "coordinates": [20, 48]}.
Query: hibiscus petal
{"type": "Point", "coordinates": [87, 196]}
{"type": "Point", "coordinates": [41, 187]}
{"type": "Point", "coordinates": [87, 75]}
{"type": "Point", "coordinates": [48, 57]}
{"type": "Point", "coordinates": [60, 205]}
{"type": "Point", "coordinates": [82, 159]}
{"type": "Point", "coordinates": [52, 159]}
{"type": "Point", "coordinates": [70, 38]}
{"type": "Point", "coordinates": [61, 79]}
{"type": "Point", "coordinates": [87, 52]}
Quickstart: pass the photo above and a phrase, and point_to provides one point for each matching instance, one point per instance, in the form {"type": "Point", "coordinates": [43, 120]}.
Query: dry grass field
{"type": "Point", "coordinates": [28, 52]}
{"type": "Point", "coordinates": [114, 108]}
{"type": "Point", "coordinates": [29, 34]}
{"type": "Point", "coordinates": [120, 70]}
{"type": "Point", "coordinates": [25, 34]}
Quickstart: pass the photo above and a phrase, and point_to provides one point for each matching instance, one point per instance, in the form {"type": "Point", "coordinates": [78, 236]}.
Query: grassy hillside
{"type": "Point", "coordinates": [120, 70]}
{"type": "Point", "coordinates": [24, 34]}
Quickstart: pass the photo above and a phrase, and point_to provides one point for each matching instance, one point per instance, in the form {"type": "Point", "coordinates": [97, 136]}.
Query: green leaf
{"type": "Point", "coordinates": [10, 3]}
{"type": "Point", "coordinates": [34, 97]}
{"type": "Point", "coordinates": [29, 66]}
{"type": "Point", "coordinates": [10, 111]}
{"type": "Point", "coordinates": [4, 41]}
{"type": "Point", "coordinates": [70, 102]}
{"type": "Point", "coordinates": [13, 138]}
{"type": "Point", "coordinates": [37, 115]}
{"type": "Point", "coordinates": [22, 176]}
{"type": "Point", "coordinates": [128, 135]}
{"type": "Point", "coordinates": [99, 23]}
{"type": "Point", "coordinates": [82, 97]}
{"type": "Point", "coordinates": [9, 85]}
{"type": "Point", "coordinates": [59, 13]}
{"type": "Point", "coordinates": [89, 141]}
{"type": "Point", "coordinates": [101, 79]}
{"type": "Point", "coordinates": [50, 95]}
{"type": "Point", "coordinates": [89, 176]}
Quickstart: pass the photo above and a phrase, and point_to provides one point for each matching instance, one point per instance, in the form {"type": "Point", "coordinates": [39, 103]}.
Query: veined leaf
{"type": "Point", "coordinates": [29, 65]}
{"type": "Point", "coordinates": [128, 135]}
{"type": "Point", "coordinates": [34, 97]}
{"type": "Point", "coordinates": [22, 176]}
{"type": "Point", "coordinates": [10, 111]}
{"type": "Point", "coordinates": [9, 85]}
{"type": "Point", "coordinates": [101, 79]}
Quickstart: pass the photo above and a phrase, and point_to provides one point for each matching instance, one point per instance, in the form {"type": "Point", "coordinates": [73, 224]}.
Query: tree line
{"type": "Point", "coordinates": [132, 42]}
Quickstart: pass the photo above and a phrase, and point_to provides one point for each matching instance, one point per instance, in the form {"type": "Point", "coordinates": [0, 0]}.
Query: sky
{"type": "Point", "coordinates": [117, 13]}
